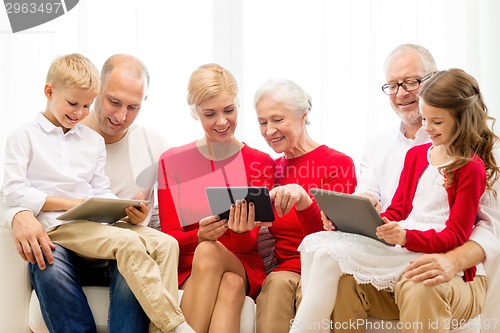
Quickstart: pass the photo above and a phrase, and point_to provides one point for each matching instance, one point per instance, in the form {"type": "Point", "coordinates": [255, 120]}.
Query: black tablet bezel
{"type": "Point", "coordinates": [221, 198]}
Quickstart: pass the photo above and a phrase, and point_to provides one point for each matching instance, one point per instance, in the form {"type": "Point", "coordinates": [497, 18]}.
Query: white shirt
{"type": "Point", "coordinates": [131, 165]}
{"type": "Point", "coordinates": [41, 161]}
{"type": "Point", "coordinates": [487, 231]}
{"type": "Point", "coordinates": [430, 209]}
{"type": "Point", "coordinates": [382, 163]}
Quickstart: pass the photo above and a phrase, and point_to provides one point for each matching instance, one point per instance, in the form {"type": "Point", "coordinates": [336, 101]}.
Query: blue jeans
{"type": "Point", "coordinates": [64, 305]}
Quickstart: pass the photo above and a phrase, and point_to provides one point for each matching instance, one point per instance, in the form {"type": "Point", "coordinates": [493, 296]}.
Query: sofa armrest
{"type": "Point", "coordinates": [15, 286]}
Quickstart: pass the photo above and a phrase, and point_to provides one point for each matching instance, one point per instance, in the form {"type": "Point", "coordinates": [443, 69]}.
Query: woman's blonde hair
{"type": "Point", "coordinates": [210, 80]}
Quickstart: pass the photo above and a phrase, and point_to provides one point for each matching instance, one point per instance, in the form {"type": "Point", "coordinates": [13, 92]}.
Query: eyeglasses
{"type": "Point", "coordinates": [408, 85]}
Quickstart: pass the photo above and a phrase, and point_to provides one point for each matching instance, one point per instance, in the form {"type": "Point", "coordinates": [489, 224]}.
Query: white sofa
{"type": "Point", "coordinates": [20, 311]}
{"type": "Point", "coordinates": [98, 298]}
{"type": "Point", "coordinates": [19, 307]}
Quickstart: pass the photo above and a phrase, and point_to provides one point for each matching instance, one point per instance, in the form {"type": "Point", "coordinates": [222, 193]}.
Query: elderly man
{"type": "Point", "coordinates": [422, 299]}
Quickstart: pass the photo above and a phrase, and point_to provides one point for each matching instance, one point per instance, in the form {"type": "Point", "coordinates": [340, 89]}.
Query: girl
{"type": "Point", "coordinates": [436, 201]}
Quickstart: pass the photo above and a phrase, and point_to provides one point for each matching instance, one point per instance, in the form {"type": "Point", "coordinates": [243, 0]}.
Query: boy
{"type": "Point", "coordinates": [54, 163]}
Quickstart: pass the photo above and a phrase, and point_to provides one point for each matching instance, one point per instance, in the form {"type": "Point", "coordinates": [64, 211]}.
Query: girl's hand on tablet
{"type": "Point", "coordinates": [391, 232]}
{"type": "Point", "coordinates": [327, 224]}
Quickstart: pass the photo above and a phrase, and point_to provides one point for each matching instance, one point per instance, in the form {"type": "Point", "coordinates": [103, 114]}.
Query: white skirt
{"type": "Point", "coordinates": [367, 260]}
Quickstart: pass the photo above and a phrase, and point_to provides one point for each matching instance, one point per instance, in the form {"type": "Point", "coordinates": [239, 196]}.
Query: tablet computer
{"type": "Point", "coordinates": [349, 213]}
{"type": "Point", "coordinates": [104, 210]}
{"type": "Point", "coordinates": [221, 198]}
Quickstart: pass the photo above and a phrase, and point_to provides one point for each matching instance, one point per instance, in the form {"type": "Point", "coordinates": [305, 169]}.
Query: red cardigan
{"type": "Point", "coordinates": [463, 197]}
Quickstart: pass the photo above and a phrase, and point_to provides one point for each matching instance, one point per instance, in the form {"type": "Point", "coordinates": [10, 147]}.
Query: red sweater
{"type": "Point", "coordinates": [463, 197]}
{"type": "Point", "coordinates": [183, 175]}
{"type": "Point", "coordinates": [321, 168]}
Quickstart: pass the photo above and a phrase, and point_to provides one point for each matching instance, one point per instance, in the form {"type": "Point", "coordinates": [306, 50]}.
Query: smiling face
{"type": "Point", "coordinates": [119, 103]}
{"type": "Point", "coordinates": [282, 128]}
{"type": "Point", "coordinates": [66, 107]}
{"type": "Point", "coordinates": [439, 123]}
{"type": "Point", "coordinates": [401, 67]}
{"type": "Point", "coordinates": [218, 116]}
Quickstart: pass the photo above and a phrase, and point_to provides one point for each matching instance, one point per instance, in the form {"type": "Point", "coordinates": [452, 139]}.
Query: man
{"type": "Point", "coordinates": [420, 299]}
{"type": "Point", "coordinates": [132, 154]}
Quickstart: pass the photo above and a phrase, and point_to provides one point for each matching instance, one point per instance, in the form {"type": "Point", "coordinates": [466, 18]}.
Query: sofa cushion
{"type": "Point", "coordinates": [98, 298]}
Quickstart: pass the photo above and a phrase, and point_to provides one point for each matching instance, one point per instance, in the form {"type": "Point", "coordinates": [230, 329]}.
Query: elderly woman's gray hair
{"type": "Point", "coordinates": [287, 92]}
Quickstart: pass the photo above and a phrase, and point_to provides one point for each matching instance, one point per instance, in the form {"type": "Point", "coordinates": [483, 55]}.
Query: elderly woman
{"type": "Point", "coordinates": [282, 109]}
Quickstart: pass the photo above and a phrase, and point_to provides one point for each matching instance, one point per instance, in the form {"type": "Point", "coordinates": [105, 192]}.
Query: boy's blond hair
{"type": "Point", "coordinates": [74, 71]}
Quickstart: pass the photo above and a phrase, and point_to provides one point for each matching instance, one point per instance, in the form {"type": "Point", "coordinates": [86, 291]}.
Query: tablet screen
{"type": "Point", "coordinates": [104, 210]}
{"type": "Point", "coordinates": [349, 213]}
{"type": "Point", "coordinates": [221, 198]}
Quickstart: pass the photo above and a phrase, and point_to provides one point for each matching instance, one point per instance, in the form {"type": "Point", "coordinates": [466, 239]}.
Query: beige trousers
{"type": "Point", "coordinates": [147, 259]}
{"type": "Point", "coordinates": [419, 308]}
{"type": "Point", "coordinates": [278, 301]}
